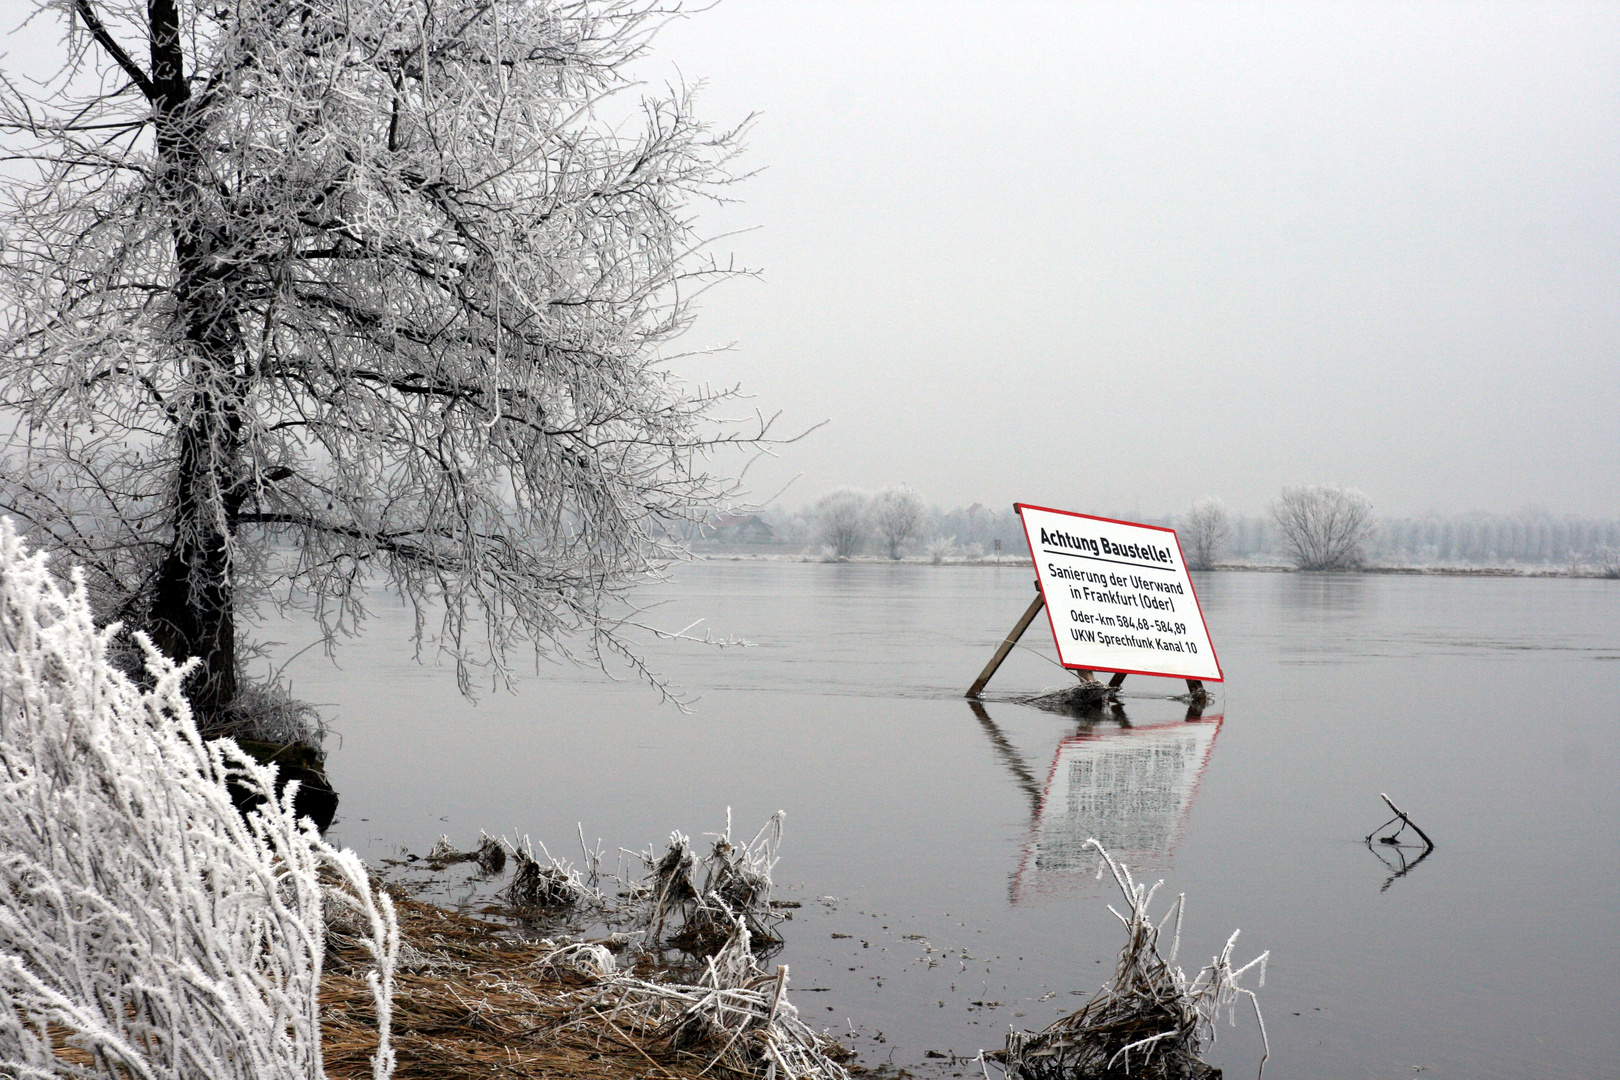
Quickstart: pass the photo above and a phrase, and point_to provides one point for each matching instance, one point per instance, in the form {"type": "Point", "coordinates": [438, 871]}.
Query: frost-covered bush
{"type": "Point", "coordinates": [147, 931]}
{"type": "Point", "coordinates": [1324, 527]}
{"type": "Point", "coordinates": [841, 521]}
{"type": "Point", "coordinates": [736, 889]}
{"type": "Point", "coordinates": [1203, 533]}
{"type": "Point", "coordinates": [898, 517]}
{"type": "Point", "coordinates": [1150, 1021]}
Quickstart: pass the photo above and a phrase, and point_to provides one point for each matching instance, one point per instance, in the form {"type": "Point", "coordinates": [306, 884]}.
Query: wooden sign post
{"type": "Point", "coordinates": [1118, 599]}
{"type": "Point", "coordinates": [1006, 646]}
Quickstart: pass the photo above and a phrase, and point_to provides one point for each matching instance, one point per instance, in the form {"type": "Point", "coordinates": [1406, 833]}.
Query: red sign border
{"type": "Point", "coordinates": [1020, 507]}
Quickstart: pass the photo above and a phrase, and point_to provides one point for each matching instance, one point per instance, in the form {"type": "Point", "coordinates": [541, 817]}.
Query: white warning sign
{"type": "Point", "coordinates": [1118, 596]}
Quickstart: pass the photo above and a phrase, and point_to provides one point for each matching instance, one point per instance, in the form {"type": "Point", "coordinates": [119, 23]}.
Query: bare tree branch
{"type": "Point", "coordinates": [98, 30]}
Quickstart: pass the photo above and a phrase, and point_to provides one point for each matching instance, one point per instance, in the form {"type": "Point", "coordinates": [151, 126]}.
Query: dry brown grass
{"type": "Point", "coordinates": [472, 1000]}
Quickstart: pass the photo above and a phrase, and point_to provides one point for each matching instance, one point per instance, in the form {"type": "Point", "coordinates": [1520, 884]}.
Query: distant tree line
{"type": "Point", "coordinates": [894, 523]}
{"type": "Point", "coordinates": [1312, 527]}
{"type": "Point", "coordinates": [1481, 539]}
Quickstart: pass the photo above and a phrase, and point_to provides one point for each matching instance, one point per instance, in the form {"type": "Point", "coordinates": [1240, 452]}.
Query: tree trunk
{"type": "Point", "coordinates": [193, 611]}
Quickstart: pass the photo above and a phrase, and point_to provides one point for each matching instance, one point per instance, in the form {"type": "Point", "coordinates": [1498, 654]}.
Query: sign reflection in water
{"type": "Point", "coordinates": [1131, 788]}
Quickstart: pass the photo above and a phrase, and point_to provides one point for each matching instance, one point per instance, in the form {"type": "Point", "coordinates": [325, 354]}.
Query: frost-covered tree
{"type": "Point", "coordinates": [841, 521]}
{"type": "Point", "coordinates": [1204, 532]}
{"type": "Point", "coordinates": [897, 518]}
{"type": "Point", "coordinates": [359, 285]}
{"type": "Point", "coordinates": [1324, 527]}
{"type": "Point", "coordinates": [148, 930]}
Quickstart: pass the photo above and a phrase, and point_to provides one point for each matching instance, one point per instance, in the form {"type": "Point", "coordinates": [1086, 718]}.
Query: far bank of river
{"type": "Point", "coordinates": [1532, 571]}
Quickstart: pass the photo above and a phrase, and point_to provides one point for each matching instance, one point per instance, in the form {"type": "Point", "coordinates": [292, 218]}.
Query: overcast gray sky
{"type": "Point", "coordinates": [1118, 256]}
{"type": "Point", "coordinates": [1123, 255]}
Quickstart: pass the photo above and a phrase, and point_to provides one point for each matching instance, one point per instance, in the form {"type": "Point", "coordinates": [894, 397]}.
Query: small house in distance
{"type": "Point", "coordinates": [740, 529]}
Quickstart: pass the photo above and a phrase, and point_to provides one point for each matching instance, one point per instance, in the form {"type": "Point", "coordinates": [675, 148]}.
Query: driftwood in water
{"type": "Point", "coordinates": [1406, 821]}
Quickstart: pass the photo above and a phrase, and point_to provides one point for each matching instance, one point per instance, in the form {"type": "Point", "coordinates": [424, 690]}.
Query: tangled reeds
{"type": "Point", "coordinates": [736, 889]}
{"type": "Point", "coordinates": [478, 997]}
{"type": "Point", "coordinates": [1150, 1020]}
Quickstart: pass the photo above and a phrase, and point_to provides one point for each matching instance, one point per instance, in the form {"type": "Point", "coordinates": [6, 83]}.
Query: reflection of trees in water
{"type": "Point", "coordinates": [1130, 788]}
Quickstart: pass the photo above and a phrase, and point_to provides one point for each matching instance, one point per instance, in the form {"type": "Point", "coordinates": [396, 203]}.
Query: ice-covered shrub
{"type": "Point", "coordinates": [148, 931]}
{"type": "Point", "coordinates": [265, 710]}
{"type": "Point", "coordinates": [551, 885]}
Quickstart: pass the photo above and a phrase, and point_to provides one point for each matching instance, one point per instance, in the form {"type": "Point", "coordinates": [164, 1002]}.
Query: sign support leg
{"type": "Point", "coordinates": [1091, 676]}
{"type": "Point", "coordinates": [1007, 645]}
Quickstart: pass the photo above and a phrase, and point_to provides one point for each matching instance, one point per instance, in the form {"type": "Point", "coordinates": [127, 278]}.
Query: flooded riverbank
{"type": "Point", "coordinates": [933, 845]}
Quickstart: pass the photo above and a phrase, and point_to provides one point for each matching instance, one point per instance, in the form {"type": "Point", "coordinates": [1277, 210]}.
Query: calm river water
{"type": "Point", "coordinates": [944, 840]}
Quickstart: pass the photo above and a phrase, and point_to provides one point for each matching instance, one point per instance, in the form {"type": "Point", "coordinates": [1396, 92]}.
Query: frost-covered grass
{"type": "Point", "coordinates": [736, 890]}
{"type": "Point", "coordinates": [1150, 1020]}
{"type": "Point", "coordinates": [736, 1016]}
{"type": "Point", "coordinates": [146, 929]}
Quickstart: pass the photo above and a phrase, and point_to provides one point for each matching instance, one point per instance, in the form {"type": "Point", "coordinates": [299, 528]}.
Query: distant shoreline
{"type": "Point", "coordinates": [1014, 562]}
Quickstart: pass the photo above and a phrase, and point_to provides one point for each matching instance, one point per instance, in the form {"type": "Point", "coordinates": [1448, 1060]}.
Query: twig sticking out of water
{"type": "Point", "coordinates": [1401, 816]}
{"type": "Point", "coordinates": [1393, 842]}
{"type": "Point", "coordinates": [1150, 1020]}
